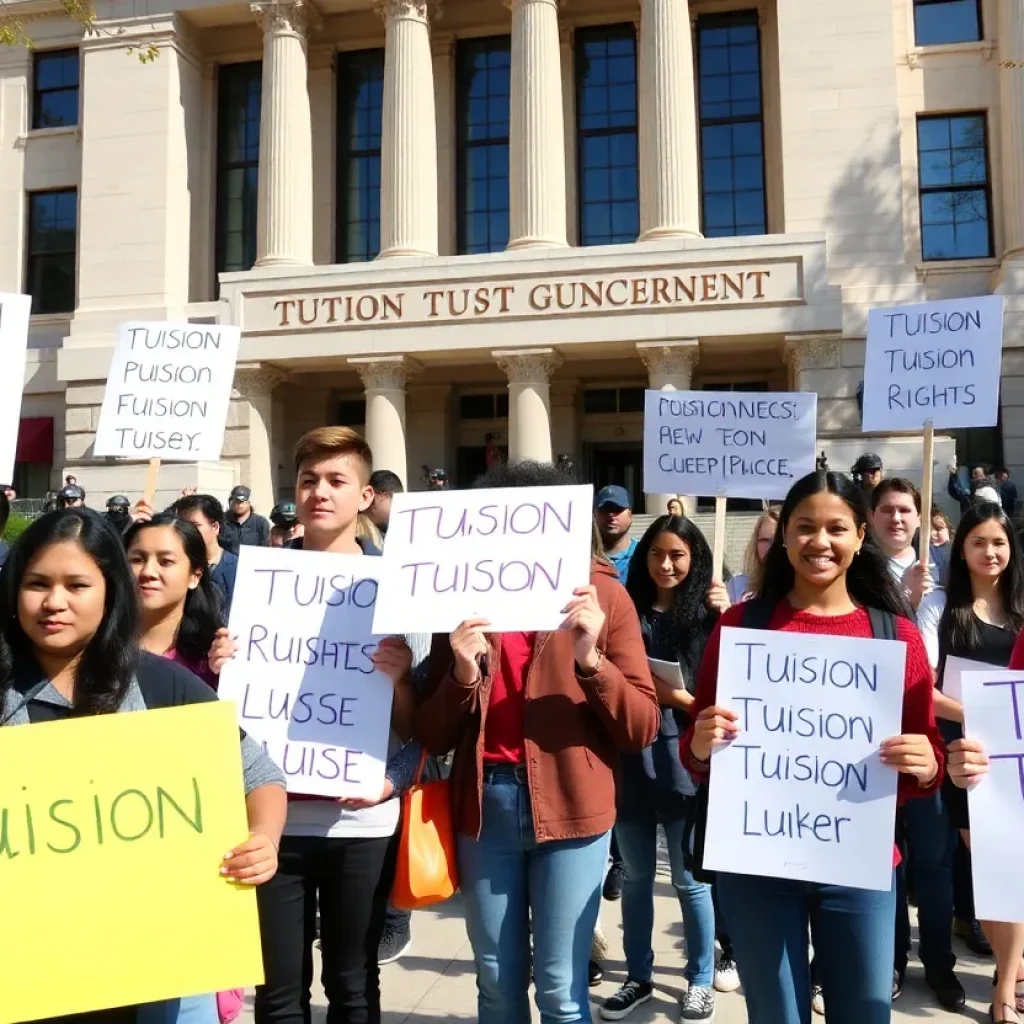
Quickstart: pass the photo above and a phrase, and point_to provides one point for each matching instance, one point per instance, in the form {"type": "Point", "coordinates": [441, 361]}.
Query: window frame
{"type": "Point", "coordinates": [463, 144]}
{"type": "Point", "coordinates": [222, 167]}
{"type": "Point", "coordinates": [723, 19]}
{"type": "Point", "coordinates": [31, 257]}
{"type": "Point", "coordinates": [916, 4]}
{"type": "Point", "coordinates": [344, 153]}
{"type": "Point", "coordinates": [38, 92]}
{"type": "Point", "coordinates": [581, 133]}
{"type": "Point", "coordinates": [923, 190]}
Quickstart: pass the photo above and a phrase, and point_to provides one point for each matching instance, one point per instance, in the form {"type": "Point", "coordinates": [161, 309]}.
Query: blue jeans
{"type": "Point", "coordinates": [853, 934]}
{"type": "Point", "coordinates": [511, 883]}
{"type": "Point", "coordinates": [187, 1010]}
{"type": "Point", "coordinates": [931, 849]}
{"type": "Point", "coordinates": [638, 840]}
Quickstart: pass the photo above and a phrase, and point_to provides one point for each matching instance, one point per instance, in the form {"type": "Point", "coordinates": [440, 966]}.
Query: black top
{"type": "Point", "coordinates": [255, 531]}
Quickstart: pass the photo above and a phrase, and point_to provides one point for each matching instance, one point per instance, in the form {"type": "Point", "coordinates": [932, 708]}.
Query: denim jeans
{"type": "Point", "coordinates": [187, 1010]}
{"type": "Point", "coordinates": [638, 840]}
{"type": "Point", "coordinates": [511, 883]}
{"type": "Point", "coordinates": [931, 846]}
{"type": "Point", "coordinates": [769, 920]}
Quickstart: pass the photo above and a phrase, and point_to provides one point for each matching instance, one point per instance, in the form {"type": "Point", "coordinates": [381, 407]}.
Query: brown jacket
{"type": "Point", "coordinates": [575, 726]}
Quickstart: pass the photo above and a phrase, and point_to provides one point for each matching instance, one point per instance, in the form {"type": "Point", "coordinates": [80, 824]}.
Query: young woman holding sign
{"type": "Point", "coordinates": [537, 721]}
{"type": "Point", "coordinates": [69, 623]}
{"type": "Point", "coordinates": [822, 573]}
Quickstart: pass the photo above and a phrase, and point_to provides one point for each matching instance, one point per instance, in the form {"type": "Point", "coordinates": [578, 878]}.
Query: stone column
{"type": "Point", "coordinates": [254, 387]}
{"type": "Point", "coordinates": [669, 196]}
{"type": "Point", "coordinates": [1011, 120]}
{"type": "Point", "coordinates": [529, 401]}
{"type": "Point", "coordinates": [670, 367]}
{"type": "Point", "coordinates": [408, 197]}
{"type": "Point", "coordinates": [285, 204]}
{"type": "Point", "coordinates": [815, 362]}
{"type": "Point", "coordinates": [536, 128]}
{"type": "Point", "coordinates": [384, 379]}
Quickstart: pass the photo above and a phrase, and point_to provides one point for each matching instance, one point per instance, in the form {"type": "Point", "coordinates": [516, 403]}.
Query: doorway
{"type": "Point", "coordinates": [620, 462]}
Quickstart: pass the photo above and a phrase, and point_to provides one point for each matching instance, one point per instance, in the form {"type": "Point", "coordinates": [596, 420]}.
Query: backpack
{"type": "Point", "coordinates": [756, 615]}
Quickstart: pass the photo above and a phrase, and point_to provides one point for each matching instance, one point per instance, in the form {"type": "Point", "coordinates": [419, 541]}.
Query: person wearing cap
{"type": "Point", "coordinates": [614, 516]}
{"type": "Point", "coordinates": [206, 514]}
{"type": "Point", "coordinates": [242, 525]}
{"type": "Point", "coordinates": [286, 526]}
{"type": "Point", "coordinates": [867, 472]}
{"type": "Point", "coordinates": [438, 480]}
{"type": "Point", "coordinates": [72, 496]}
{"type": "Point", "coordinates": [119, 513]}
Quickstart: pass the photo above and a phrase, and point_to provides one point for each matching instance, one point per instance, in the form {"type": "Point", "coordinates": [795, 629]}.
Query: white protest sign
{"type": "Point", "coordinates": [724, 443]}
{"type": "Point", "coordinates": [937, 361]}
{"type": "Point", "coordinates": [168, 392]}
{"type": "Point", "coordinates": [14, 314]}
{"type": "Point", "coordinates": [511, 555]}
{"type": "Point", "coordinates": [994, 714]}
{"type": "Point", "coordinates": [952, 675]}
{"type": "Point", "coordinates": [302, 678]}
{"type": "Point", "coordinates": [801, 792]}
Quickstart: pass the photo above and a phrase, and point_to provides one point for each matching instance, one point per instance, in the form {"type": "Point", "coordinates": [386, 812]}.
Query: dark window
{"type": "Point", "coordinates": [238, 162]}
{"type": "Point", "coordinates": [484, 407]}
{"type": "Point", "coordinates": [731, 125]}
{"type": "Point", "coordinates": [483, 83]}
{"type": "Point", "coordinates": [55, 89]}
{"type": "Point", "coordinates": [606, 142]}
{"type": "Point", "coordinates": [351, 412]}
{"type": "Point", "coordinates": [946, 21]}
{"type": "Point", "coordinates": [360, 115]}
{"type": "Point", "coordinates": [52, 238]}
{"type": "Point", "coordinates": [956, 194]}
{"type": "Point", "coordinates": [605, 400]}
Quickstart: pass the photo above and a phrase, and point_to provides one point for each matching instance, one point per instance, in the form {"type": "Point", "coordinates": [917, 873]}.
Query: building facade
{"type": "Point", "coordinates": [490, 225]}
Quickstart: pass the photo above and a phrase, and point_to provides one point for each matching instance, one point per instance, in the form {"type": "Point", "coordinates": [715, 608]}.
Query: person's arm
{"type": "Point", "coordinates": [264, 527]}
{"type": "Point", "coordinates": [929, 615]}
{"type": "Point", "coordinates": [956, 490]}
{"type": "Point", "coordinates": [254, 862]}
{"type": "Point", "coordinates": [707, 689]}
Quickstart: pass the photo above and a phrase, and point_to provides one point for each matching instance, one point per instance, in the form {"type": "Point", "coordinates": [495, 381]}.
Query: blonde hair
{"type": "Point", "coordinates": [327, 442]}
{"type": "Point", "coordinates": [751, 566]}
{"type": "Point", "coordinates": [368, 529]}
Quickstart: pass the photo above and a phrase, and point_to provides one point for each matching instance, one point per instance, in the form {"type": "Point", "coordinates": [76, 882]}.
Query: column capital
{"type": "Point", "coordinates": [283, 17]}
{"type": "Point", "coordinates": [256, 380]}
{"type": "Point", "coordinates": [385, 373]}
{"type": "Point", "coordinates": [669, 358]}
{"type": "Point", "coordinates": [528, 365]}
{"type": "Point", "coordinates": [409, 10]}
{"type": "Point", "coordinates": [813, 351]}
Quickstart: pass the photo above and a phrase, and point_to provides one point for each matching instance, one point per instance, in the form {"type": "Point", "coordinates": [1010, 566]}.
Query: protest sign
{"type": "Point", "coordinates": [511, 555]}
{"type": "Point", "coordinates": [14, 314]}
{"type": "Point", "coordinates": [994, 714]}
{"type": "Point", "coordinates": [112, 834]}
{"type": "Point", "coordinates": [168, 392]}
{"type": "Point", "coordinates": [302, 678]}
{"type": "Point", "coordinates": [729, 444]}
{"type": "Point", "coordinates": [952, 675]}
{"type": "Point", "coordinates": [936, 361]}
{"type": "Point", "coordinates": [801, 792]}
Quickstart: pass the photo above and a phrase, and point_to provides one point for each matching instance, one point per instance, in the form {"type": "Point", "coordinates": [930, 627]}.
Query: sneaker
{"type": "Point", "coordinates": [627, 999]}
{"type": "Point", "coordinates": [613, 883]}
{"type": "Point", "coordinates": [698, 1004]}
{"type": "Point", "coordinates": [947, 988]}
{"type": "Point", "coordinates": [727, 978]}
{"type": "Point", "coordinates": [595, 972]}
{"type": "Point", "coordinates": [972, 935]}
{"type": "Point", "coordinates": [818, 1000]}
{"type": "Point", "coordinates": [897, 983]}
{"type": "Point", "coordinates": [394, 944]}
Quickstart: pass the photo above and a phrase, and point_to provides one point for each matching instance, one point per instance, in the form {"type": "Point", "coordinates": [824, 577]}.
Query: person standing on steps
{"type": "Point", "coordinates": [242, 525]}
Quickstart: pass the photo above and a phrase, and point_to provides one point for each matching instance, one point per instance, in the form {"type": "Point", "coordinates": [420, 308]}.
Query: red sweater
{"type": "Point", "coordinates": [918, 712]}
{"type": "Point", "coordinates": [1017, 658]}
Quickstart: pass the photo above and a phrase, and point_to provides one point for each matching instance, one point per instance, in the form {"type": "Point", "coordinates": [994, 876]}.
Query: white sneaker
{"type": "Point", "coordinates": [727, 978]}
{"type": "Point", "coordinates": [818, 1001]}
{"type": "Point", "coordinates": [698, 1005]}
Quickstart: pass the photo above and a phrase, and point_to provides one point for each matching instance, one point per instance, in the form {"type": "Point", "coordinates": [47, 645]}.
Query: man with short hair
{"type": "Point", "coordinates": [242, 525]}
{"type": "Point", "coordinates": [895, 520]}
{"type": "Point", "coordinates": [867, 472]}
{"type": "Point", "coordinates": [613, 515]}
{"type": "Point", "coordinates": [206, 514]}
{"type": "Point", "coordinates": [1007, 490]}
{"type": "Point", "coordinates": [385, 486]}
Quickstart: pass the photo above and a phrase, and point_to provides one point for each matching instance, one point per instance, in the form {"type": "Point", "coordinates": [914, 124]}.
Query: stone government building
{"type": "Point", "coordinates": [490, 222]}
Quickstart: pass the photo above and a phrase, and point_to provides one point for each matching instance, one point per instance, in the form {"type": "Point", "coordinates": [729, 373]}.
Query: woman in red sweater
{"type": "Point", "coordinates": [822, 573]}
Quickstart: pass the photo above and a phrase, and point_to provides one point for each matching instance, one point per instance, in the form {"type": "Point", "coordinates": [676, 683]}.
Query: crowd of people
{"type": "Point", "coordinates": [566, 752]}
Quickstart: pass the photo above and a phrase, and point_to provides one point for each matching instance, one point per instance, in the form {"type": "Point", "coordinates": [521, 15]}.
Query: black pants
{"type": "Point", "coordinates": [353, 879]}
{"type": "Point", "coordinates": [963, 883]}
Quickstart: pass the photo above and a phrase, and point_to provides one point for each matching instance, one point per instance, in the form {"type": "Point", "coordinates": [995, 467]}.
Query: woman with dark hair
{"type": "Point", "coordinates": [69, 625]}
{"type": "Point", "coordinates": [180, 606]}
{"type": "Point", "coordinates": [669, 579]}
{"type": "Point", "coordinates": [537, 722]}
{"type": "Point", "coordinates": [822, 574]}
{"type": "Point", "coordinates": [979, 616]}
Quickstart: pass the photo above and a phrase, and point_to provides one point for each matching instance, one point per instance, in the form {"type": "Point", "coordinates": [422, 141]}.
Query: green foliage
{"type": "Point", "coordinates": [16, 526]}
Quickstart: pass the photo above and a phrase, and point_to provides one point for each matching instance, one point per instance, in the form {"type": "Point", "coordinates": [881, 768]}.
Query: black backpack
{"type": "Point", "coordinates": [756, 615]}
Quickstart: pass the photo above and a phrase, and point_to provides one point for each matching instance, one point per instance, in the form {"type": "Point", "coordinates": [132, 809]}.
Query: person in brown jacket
{"type": "Point", "coordinates": [537, 722]}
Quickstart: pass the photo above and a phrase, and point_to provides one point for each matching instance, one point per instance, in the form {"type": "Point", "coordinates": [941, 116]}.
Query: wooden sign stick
{"type": "Point", "coordinates": [151, 477]}
{"type": "Point", "coordinates": [927, 487]}
{"type": "Point", "coordinates": [718, 547]}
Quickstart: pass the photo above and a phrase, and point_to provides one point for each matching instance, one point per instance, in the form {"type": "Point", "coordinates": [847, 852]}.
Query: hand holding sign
{"type": "Point", "coordinates": [967, 764]}
{"type": "Point", "coordinates": [584, 616]}
{"type": "Point", "coordinates": [911, 754]}
{"type": "Point", "coordinates": [469, 645]}
{"type": "Point", "coordinates": [715, 727]}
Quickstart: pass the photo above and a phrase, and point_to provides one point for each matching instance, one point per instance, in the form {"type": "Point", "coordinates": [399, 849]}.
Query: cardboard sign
{"type": "Point", "coordinates": [168, 392]}
{"type": "Point", "coordinates": [14, 314]}
{"type": "Point", "coordinates": [994, 714]}
{"type": "Point", "coordinates": [801, 792]}
{"type": "Point", "coordinates": [512, 556]}
{"type": "Point", "coordinates": [937, 361]}
{"type": "Point", "coordinates": [302, 678]}
{"type": "Point", "coordinates": [727, 443]}
{"type": "Point", "coordinates": [112, 834]}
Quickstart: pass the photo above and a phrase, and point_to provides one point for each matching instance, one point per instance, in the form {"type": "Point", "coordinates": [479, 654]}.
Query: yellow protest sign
{"type": "Point", "coordinates": [112, 832]}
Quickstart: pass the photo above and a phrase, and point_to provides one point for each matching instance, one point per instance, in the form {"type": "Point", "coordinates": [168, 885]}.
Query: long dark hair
{"type": "Point", "coordinates": [868, 580]}
{"type": "Point", "coordinates": [110, 659]}
{"type": "Point", "coordinates": [201, 616]}
{"type": "Point", "coordinates": [958, 627]}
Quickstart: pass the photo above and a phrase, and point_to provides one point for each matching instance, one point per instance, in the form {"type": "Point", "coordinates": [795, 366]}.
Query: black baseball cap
{"type": "Point", "coordinates": [869, 462]}
{"type": "Point", "coordinates": [240, 493]}
{"type": "Point", "coordinates": [72, 493]}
